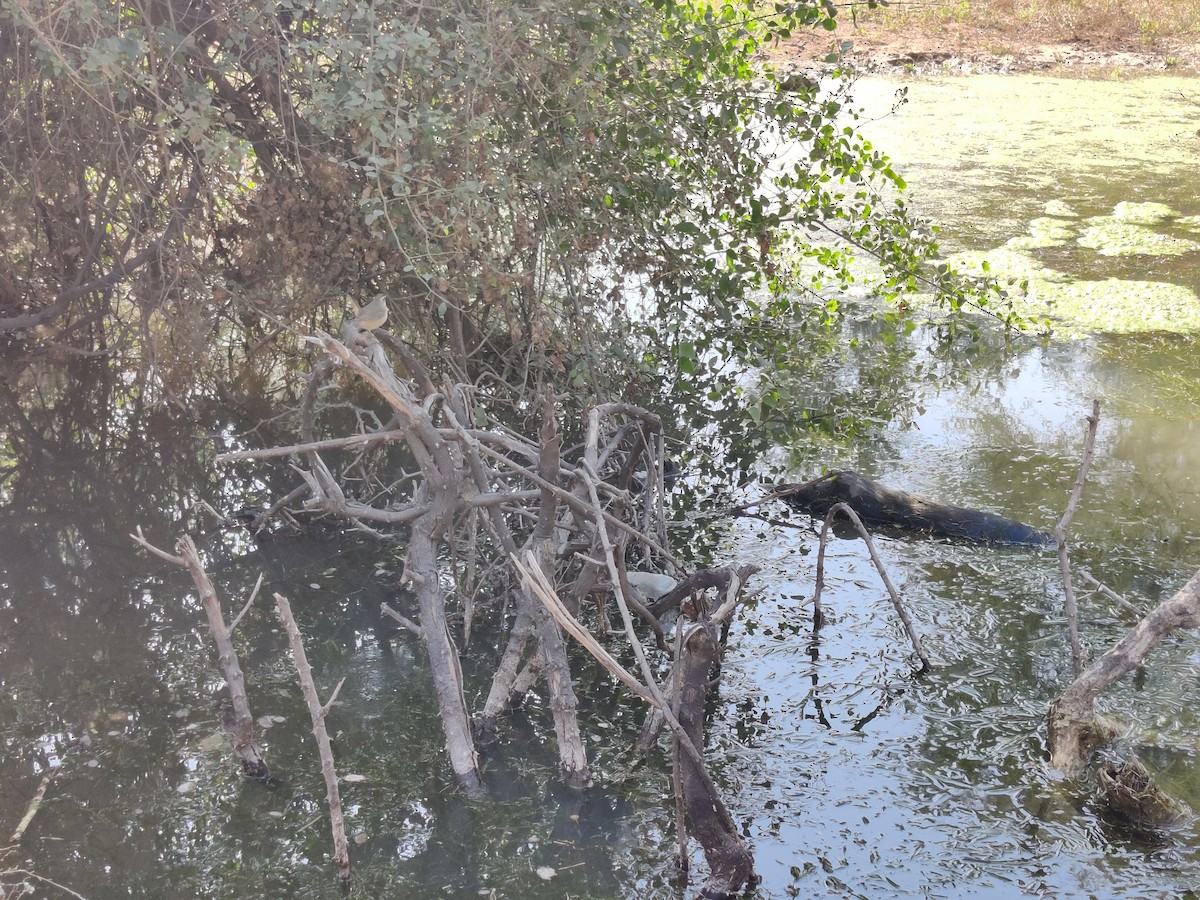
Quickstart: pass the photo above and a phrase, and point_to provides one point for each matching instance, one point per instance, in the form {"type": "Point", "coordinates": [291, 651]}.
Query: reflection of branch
{"type": "Point", "coordinates": [778, 523]}
{"type": "Point", "coordinates": [1060, 537]}
{"type": "Point", "coordinates": [25, 873]}
{"type": "Point", "coordinates": [1110, 593]}
{"type": "Point", "coordinates": [32, 810]}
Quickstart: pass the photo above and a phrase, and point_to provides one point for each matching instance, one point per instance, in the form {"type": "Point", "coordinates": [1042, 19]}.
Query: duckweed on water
{"type": "Point", "coordinates": [1044, 232]}
{"type": "Point", "coordinates": [1007, 265]}
{"type": "Point", "coordinates": [1113, 305]}
{"type": "Point", "coordinates": [1112, 236]}
{"type": "Point", "coordinates": [1143, 213]}
{"type": "Point", "coordinates": [1060, 209]}
{"type": "Point", "coordinates": [1116, 306]}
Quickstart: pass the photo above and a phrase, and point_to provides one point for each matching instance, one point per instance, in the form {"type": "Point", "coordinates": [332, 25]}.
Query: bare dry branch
{"type": "Point", "coordinates": [317, 712]}
{"type": "Point", "coordinates": [909, 628]}
{"type": "Point", "coordinates": [351, 442]}
{"type": "Point", "coordinates": [403, 620]}
{"type": "Point", "coordinates": [1074, 730]}
{"type": "Point", "coordinates": [238, 722]}
{"type": "Point", "coordinates": [1060, 538]}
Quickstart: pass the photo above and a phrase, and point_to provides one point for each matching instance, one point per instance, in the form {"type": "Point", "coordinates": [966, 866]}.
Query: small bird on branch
{"type": "Point", "coordinates": [371, 316]}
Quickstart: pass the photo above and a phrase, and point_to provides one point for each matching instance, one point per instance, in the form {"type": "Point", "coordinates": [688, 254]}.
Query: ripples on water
{"type": "Point", "coordinates": [863, 781]}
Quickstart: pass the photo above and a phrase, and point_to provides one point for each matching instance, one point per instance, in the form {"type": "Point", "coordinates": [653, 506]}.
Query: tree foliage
{"type": "Point", "coordinates": [183, 181]}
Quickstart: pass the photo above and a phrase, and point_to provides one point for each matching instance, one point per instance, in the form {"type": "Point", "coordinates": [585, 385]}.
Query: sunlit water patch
{"type": "Point", "coordinates": [1081, 196]}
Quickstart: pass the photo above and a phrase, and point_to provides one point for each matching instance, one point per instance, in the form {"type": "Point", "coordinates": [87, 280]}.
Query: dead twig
{"type": "Point", "coordinates": [351, 442]}
{"type": "Point", "coordinates": [317, 712]}
{"type": "Point", "coordinates": [1060, 538]}
{"type": "Point", "coordinates": [1074, 730]}
{"type": "Point", "coordinates": [403, 620]}
{"type": "Point", "coordinates": [1110, 594]}
{"type": "Point", "coordinates": [239, 725]}
{"type": "Point", "coordinates": [818, 616]}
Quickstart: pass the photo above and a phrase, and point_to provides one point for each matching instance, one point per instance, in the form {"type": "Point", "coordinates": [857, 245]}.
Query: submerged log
{"type": "Point", "coordinates": [878, 505]}
{"type": "Point", "coordinates": [1130, 791]}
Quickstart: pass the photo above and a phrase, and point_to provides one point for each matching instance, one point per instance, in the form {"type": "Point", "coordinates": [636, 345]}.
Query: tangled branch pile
{"type": "Point", "coordinates": [553, 533]}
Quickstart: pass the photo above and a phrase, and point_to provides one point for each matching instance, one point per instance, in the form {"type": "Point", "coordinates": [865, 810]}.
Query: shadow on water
{"type": "Point", "coordinates": [848, 776]}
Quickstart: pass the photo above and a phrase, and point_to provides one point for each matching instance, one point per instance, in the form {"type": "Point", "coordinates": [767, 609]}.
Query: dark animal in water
{"type": "Point", "coordinates": [878, 505]}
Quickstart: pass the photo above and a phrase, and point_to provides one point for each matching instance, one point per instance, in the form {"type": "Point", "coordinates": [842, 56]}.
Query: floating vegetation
{"type": "Point", "coordinates": [1143, 213]}
{"type": "Point", "coordinates": [1044, 232]}
{"type": "Point", "coordinates": [1115, 306]}
{"type": "Point", "coordinates": [1006, 264]}
{"type": "Point", "coordinates": [1112, 236]}
{"type": "Point", "coordinates": [1112, 305]}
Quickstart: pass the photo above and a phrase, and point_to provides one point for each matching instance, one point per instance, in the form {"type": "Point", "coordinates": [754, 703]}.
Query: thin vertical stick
{"type": "Point", "coordinates": [341, 850]}
{"type": "Point", "coordinates": [1060, 538]}
{"type": "Point", "coordinates": [676, 685]}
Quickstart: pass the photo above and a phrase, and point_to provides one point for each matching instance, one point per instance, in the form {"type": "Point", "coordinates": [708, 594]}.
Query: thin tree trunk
{"type": "Point", "coordinates": [421, 570]}
{"type": "Point", "coordinates": [504, 679]}
{"type": "Point", "coordinates": [556, 669]}
{"type": "Point", "coordinates": [239, 726]}
{"type": "Point", "coordinates": [730, 863]}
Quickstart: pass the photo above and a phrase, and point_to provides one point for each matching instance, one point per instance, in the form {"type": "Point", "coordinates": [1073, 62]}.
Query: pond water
{"type": "Point", "coordinates": [849, 777]}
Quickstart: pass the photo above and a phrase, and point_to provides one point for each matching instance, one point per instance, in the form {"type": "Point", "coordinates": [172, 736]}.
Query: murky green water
{"type": "Point", "coordinates": [849, 777]}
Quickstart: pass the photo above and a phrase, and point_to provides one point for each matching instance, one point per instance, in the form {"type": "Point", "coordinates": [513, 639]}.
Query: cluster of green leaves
{"type": "Point", "coordinates": [529, 183]}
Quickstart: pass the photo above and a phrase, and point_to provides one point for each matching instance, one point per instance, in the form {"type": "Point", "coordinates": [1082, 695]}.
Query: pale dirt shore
{"type": "Point", "coordinates": [939, 47]}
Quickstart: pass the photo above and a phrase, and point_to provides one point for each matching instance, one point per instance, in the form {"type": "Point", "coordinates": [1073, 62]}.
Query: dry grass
{"type": "Point", "coordinates": [1113, 23]}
